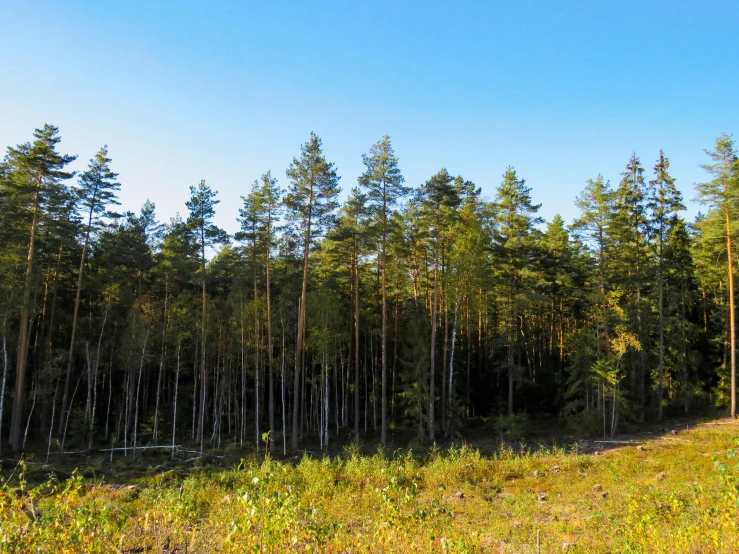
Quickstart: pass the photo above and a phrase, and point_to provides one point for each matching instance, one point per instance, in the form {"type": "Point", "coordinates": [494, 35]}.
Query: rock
{"type": "Point", "coordinates": [640, 448]}
{"type": "Point", "coordinates": [674, 431]}
{"type": "Point", "coordinates": [555, 469]}
{"type": "Point", "coordinates": [661, 476]}
{"type": "Point", "coordinates": [597, 488]}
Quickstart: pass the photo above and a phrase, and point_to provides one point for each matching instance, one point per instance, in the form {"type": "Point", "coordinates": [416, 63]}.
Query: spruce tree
{"type": "Point", "coordinates": [664, 203]}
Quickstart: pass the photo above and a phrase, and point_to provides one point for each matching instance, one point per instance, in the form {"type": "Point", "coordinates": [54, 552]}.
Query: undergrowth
{"type": "Point", "coordinates": [675, 494]}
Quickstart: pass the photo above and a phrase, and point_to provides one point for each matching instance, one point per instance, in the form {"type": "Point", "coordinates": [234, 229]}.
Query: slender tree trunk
{"type": "Point", "coordinates": [95, 379]}
{"type": "Point", "coordinates": [17, 414]}
{"type": "Point", "coordinates": [75, 316]}
{"type": "Point", "coordinates": [356, 340]}
{"type": "Point", "coordinates": [162, 359]}
{"type": "Point", "coordinates": [270, 345]}
{"type": "Point", "coordinates": [383, 352]}
{"type": "Point", "coordinates": [450, 416]}
{"type": "Point", "coordinates": [138, 388]}
{"type": "Point", "coordinates": [174, 408]}
{"type": "Point", "coordinates": [5, 378]}
{"type": "Point", "coordinates": [256, 346]}
{"type": "Point", "coordinates": [282, 383]}
{"type": "Point", "coordinates": [203, 334]}
{"type": "Point", "coordinates": [732, 315]}
{"type": "Point", "coordinates": [661, 285]}
{"type": "Point", "coordinates": [432, 366]}
{"type": "Point", "coordinates": [301, 330]}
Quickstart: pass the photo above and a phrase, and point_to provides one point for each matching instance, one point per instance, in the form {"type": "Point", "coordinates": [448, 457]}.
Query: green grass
{"type": "Point", "coordinates": [679, 493]}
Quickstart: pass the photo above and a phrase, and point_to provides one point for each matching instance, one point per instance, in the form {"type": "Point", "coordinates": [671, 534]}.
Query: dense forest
{"type": "Point", "coordinates": [402, 308]}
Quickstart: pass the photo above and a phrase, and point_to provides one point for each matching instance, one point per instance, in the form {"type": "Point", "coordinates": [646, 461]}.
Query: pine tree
{"type": "Point", "coordinates": [384, 185]}
{"type": "Point", "coordinates": [311, 202]}
{"type": "Point", "coordinates": [722, 195]}
{"type": "Point", "coordinates": [201, 206]}
{"type": "Point", "coordinates": [516, 253]}
{"type": "Point", "coordinates": [97, 190]}
{"type": "Point", "coordinates": [259, 217]}
{"type": "Point", "coordinates": [439, 199]}
{"type": "Point", "coordinates": [37, 170]}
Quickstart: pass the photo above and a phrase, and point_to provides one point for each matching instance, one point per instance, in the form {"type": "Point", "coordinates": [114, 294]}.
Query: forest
{"type": "Point", "coordinates": [403, 309]}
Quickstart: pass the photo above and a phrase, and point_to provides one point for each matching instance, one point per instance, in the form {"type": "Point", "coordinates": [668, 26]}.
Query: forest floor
{"type": "Point", "coordinates": [668, 488]}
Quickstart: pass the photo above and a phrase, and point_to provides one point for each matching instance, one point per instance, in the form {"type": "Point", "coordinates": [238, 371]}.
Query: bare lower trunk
{"type": "Point", "coordinates": [174, 408]}
{"type": "Point", "coordinates": [732, 326]}
{"type": "Point", "coordinates": [75, 317]}
{"type": "Point", "coordinates": [300, 337]}
{"type": "Point", "coordinates": [434, 316]}
{"type": "Point", "coordinates": [450, 417]}
{"type": "Point", "coordinates": [5, 379]}
{"type": "Point", "coordinates": [25, 316]}
{"type": "Point", "coordinates": [356, 345]}
{"type": "Point", "coordinates": [162, 359]}
{"type": "Point", "coordinates": [138, 389]}
{"type": "Point", "coordinates": [270, 346]}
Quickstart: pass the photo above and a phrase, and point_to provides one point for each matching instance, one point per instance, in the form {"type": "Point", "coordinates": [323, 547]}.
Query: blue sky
{"type": "Point", "coordinates": [224, 91]}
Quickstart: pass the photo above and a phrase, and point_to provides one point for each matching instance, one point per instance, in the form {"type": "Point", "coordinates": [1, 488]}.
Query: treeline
{"type": "Point", "coordinates": [402, 308]}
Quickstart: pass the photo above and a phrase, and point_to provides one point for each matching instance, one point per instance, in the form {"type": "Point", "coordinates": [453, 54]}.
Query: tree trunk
{"type": "Point", "coordinates": [270, 346]}
{"type": "Point", "coordinates": [301, 333]}
{"type": "Point", "coordinates": [203, 376]}
{"type": "Point", "coordinates": [356, 340]}
{"type": "Point", "coordinates": [732, 326]}
{"type": "Point", "coordinates": [661, 286]}
{"type": "Point", "coordinates": [174, 408]}
{"type": "Point", "coordinates": [162, 358]}
{"type": "Point", "coordinates": [383, 350]}
{"type": "Point", "coordinates": [5, 378]}
{"type": "Point", "coordinates": [17, 414]}
{"type": "Point", "coordinates": [432, 365]}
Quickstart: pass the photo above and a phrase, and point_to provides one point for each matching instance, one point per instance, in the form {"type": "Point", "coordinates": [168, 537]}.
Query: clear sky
{"type": "Point", "coordinates": [224, 91]}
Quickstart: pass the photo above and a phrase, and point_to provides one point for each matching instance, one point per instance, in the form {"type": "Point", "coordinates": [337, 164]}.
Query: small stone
{"type": "Point", "coordinates": [597, 488]}
{"type": "Point", "coordinates": [661, 476]}
{"type": "Point", "coordinates": [674, 431]}
{"type": "Point", "coordinates": [556, 469]}
{"type": "Point", "coordinates": [640, 448]}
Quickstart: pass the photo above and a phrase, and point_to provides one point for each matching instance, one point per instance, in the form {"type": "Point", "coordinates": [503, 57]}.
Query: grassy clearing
{"type": "Point", "coordinates": [676, 493]}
